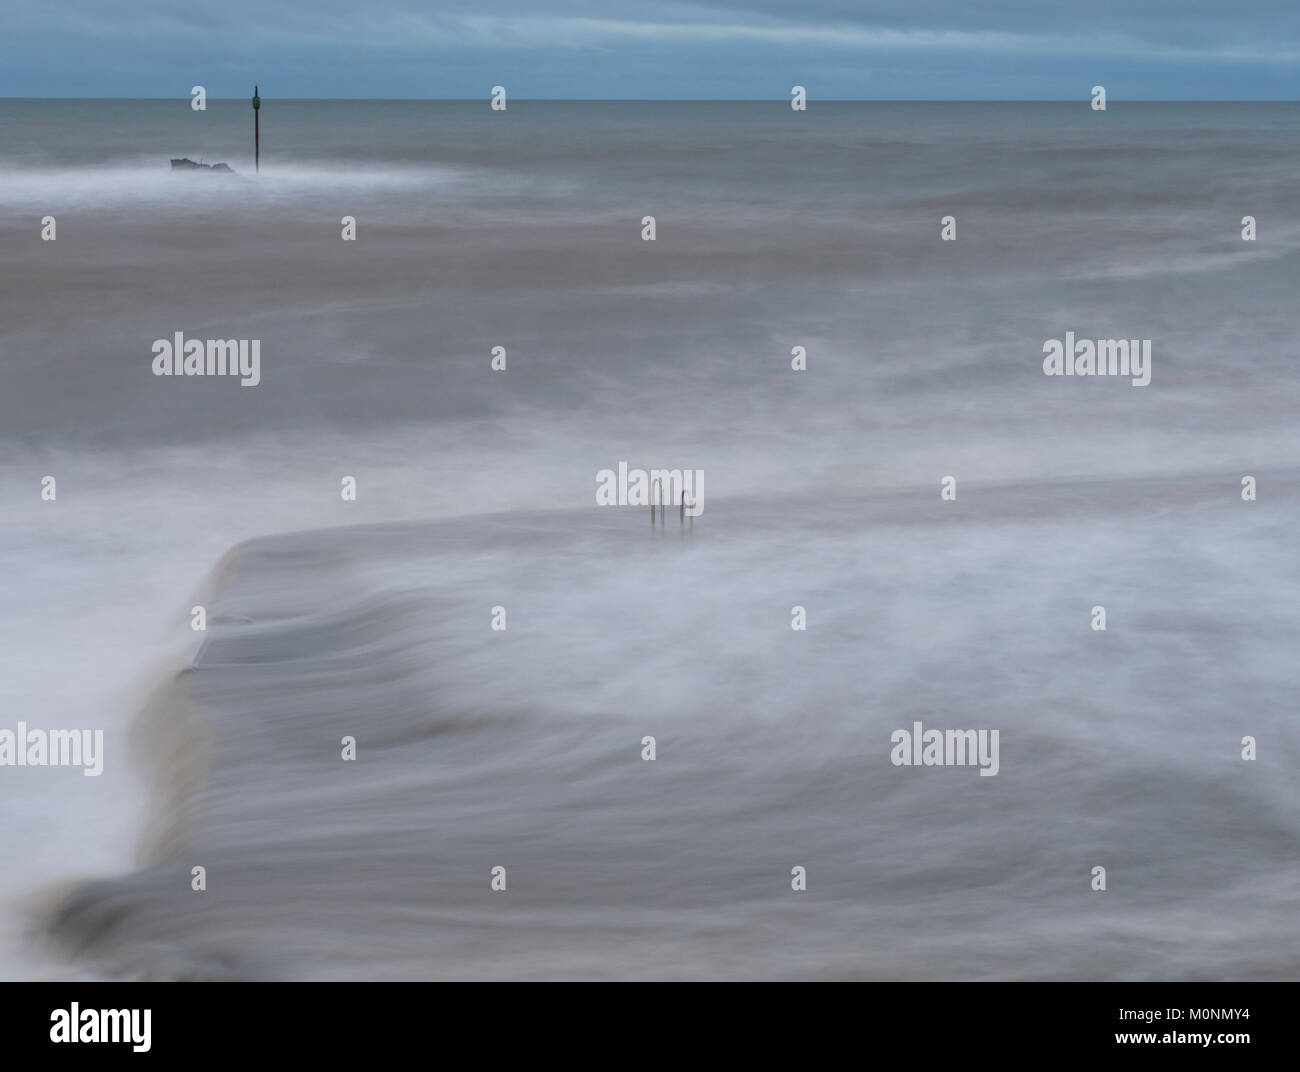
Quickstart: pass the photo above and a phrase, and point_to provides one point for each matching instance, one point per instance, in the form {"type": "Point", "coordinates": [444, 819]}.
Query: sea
{"type": "Point", "coordinates": [396, 544]}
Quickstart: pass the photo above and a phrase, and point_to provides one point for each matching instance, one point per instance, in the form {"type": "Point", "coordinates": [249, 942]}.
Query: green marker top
{"type": "Point", "coordinates": [257, 101]}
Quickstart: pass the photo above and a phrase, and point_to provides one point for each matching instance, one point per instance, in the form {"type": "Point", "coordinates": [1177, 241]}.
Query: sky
{"type": "Point", "coordinates": [654, 49]}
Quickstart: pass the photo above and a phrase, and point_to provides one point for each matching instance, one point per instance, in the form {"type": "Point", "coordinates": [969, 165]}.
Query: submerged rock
{"type": "Point", "coordinates": [184, 163]}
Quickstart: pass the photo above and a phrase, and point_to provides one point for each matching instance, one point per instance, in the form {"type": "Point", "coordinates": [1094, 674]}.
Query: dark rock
{"type": "Point", "coordinates": [184, 163]}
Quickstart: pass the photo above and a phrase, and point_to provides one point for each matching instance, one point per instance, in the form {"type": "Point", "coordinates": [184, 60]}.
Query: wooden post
{"type": "Point", "coordinates": [257, 132]}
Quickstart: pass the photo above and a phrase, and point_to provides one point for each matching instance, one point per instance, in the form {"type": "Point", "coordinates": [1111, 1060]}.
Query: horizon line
{"type": "Point", "coordinates": [706, 100]}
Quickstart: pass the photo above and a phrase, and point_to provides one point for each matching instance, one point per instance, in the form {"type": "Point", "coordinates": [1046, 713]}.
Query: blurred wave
{"type": "Point", "coordinates": [522, 748]}
{"type": "Point", "coordinates": [153, 182]}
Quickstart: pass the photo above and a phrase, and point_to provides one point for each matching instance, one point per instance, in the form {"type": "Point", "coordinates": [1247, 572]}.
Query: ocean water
{"type": "Point", "coordinates": [522, 749]}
